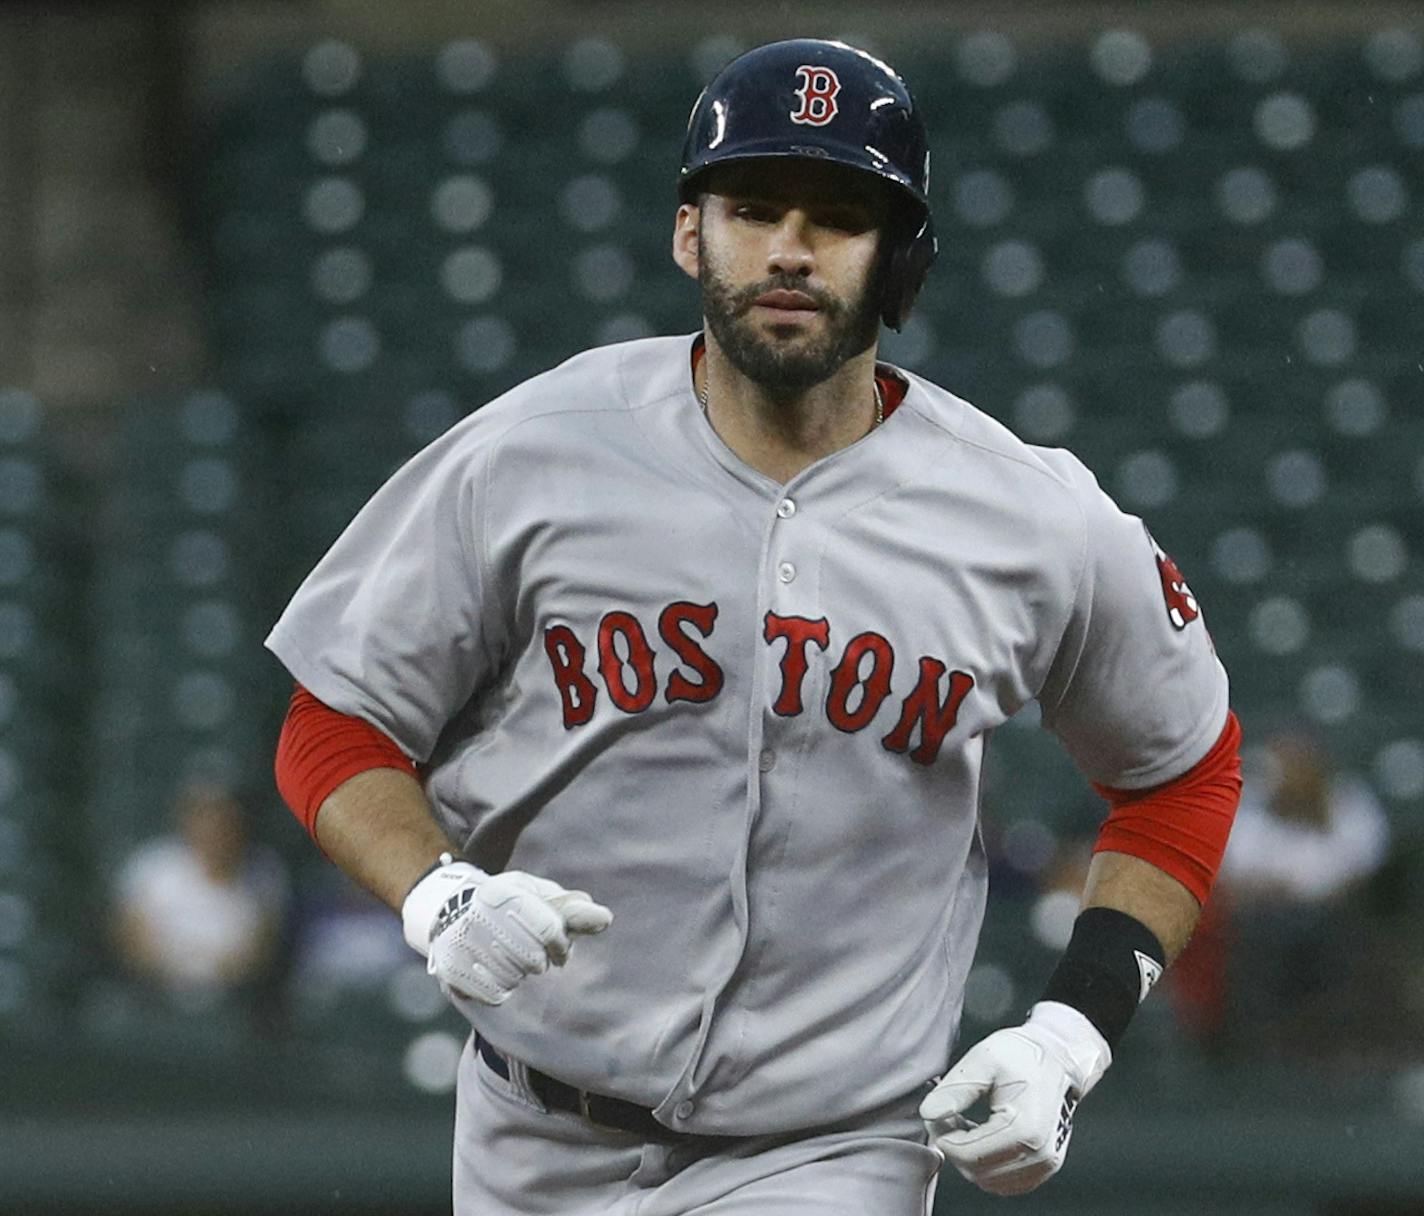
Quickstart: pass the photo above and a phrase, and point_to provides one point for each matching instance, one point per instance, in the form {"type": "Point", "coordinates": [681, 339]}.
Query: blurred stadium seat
{"type": "Point", "coordinates": [1193, 263]}
{"type": "Point", "coordinates": [42, 565]}
{"type": "Point", "coordinates": [181, 594]}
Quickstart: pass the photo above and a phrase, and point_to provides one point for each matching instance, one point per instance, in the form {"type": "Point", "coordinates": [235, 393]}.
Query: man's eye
{"type": "Point", "coordinates": [757, 212]}
{"type": "Point", "coordinates": [846, 221]}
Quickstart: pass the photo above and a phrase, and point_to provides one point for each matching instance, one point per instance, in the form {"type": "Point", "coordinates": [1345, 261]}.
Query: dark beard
{"type": "Point", "coordinates": [783, 372]}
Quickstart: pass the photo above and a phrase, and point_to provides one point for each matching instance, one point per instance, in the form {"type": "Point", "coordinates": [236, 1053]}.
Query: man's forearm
{"type": "Point", "coordinates": [1140, 889]}
{"type": "Point", "coordinates": [378, 827]}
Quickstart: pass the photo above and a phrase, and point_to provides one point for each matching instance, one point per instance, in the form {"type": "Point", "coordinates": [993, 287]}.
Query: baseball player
{"type": "Point", "coordinates": [654, 696]}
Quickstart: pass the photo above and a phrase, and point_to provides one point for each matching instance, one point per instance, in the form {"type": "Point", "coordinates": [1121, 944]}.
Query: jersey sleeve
{"type": "Point", "coordinates": [1136, 692]}
{"type": "Point", "coordinates": [391, 625]}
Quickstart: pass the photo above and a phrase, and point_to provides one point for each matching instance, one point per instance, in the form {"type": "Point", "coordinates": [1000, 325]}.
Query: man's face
{"type": "Point", "coordinates": [789, 268]}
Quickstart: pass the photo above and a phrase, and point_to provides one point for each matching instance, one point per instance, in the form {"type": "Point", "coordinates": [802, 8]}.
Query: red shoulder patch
{"type": "Point", "coordinates": [1182, 606]}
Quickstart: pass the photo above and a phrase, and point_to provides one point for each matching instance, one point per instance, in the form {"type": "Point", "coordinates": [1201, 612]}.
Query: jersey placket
{"type": "Point", "coordinates": [792, 676]}
{"type": "Point", "coordinates": [787, 575]}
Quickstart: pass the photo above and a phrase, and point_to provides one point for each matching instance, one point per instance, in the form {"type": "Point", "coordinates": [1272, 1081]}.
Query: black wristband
{"type": "Point", "coordinates": [1111, 963]}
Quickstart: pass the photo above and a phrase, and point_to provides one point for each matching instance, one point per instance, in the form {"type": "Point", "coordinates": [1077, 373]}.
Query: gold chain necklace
{"type": "Point", "coordinates": [879, 401]}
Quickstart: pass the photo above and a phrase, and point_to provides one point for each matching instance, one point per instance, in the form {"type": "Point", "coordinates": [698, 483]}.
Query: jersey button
{"type": "Point", "coordinates": [767, 760]}
{"type": "Point", "coordinates": [786, 572]}
{"type": "Point", "coordinates": [684, 1108]}
{"type": "Point", "coordinates": [786, 508]}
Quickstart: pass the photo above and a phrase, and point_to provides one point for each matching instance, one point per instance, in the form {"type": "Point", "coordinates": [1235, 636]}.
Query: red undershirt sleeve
{"type": "Point", "coordinates": [1180, 827]}
{"type": "Point", "coordinates": [320, 748]}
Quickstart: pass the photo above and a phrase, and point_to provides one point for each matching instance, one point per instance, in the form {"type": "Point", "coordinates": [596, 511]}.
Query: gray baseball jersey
{"type": "Point", "coordinates": [748, 717]}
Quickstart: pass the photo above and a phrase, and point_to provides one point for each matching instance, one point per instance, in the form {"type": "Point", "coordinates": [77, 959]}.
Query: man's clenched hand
{"type": "Point", "coordinates": [483, 934]}
{"type": "Point", "coordinates": [1034, 1076]}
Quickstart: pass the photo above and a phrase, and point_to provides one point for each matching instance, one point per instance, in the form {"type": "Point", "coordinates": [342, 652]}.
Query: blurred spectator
{"type": "Point", "coordinates": [1270, 970]}
{"type": "Point", "coordinates": [200, 912]}
{"type": "Point", "coordinates": [1303, 835]}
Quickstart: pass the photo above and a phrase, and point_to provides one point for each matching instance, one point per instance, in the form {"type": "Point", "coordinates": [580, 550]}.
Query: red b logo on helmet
{"type": "Point", "coordinates": [818, 90]}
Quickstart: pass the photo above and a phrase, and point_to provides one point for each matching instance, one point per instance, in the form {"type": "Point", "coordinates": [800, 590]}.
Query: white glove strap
{"type": "Point", "coordinates": [422, 906]}
{"type": "Point", "coordinates": [1085, 1048]}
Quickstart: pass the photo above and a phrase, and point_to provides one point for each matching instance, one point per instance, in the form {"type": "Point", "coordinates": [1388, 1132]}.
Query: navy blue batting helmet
{"type": "Point", "coordinates": [813, 99]}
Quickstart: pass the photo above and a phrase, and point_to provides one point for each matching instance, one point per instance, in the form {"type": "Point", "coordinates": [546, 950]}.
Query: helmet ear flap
{"type": "Point", "coordinates": [910, 261]}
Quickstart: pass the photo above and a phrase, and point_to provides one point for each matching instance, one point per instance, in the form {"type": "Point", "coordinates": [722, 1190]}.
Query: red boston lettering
{"type": "Point", "coordinates": [857, 687]}
{"type": "Point", "coordinates": [846, 677]}
{"type": "Point", "coordinates": [670, 622]}
{"type": "Point", "coordinates": [640, 658]}
{"type": "Point", "coordinates": [923, 705]}
{"type": "Point", "coordinates": [576, 690]}
{"type": "Point", "coordinates": [797, 630]}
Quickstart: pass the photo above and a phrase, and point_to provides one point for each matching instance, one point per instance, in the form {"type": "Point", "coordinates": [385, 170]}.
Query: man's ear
{"type": "Point", "coordinates": [686, 246]}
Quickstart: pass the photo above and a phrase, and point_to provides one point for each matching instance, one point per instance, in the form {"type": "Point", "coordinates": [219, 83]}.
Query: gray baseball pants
{"type": "Point", "coordinates": [514, 1158]}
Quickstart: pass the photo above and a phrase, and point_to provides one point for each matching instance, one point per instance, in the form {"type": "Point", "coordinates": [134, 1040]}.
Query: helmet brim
{"type": "Point", "coordinates": [863, 160]}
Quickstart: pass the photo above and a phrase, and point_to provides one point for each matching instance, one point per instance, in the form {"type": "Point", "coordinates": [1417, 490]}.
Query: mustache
{"type": "Point", "coordinates": [743, 300]}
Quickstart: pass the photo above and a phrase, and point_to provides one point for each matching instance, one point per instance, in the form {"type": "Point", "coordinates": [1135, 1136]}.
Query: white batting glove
{"type": "Point", "coordinates": [484, 934]}
{"type": "Point", "coordinates": [1034, 1076]}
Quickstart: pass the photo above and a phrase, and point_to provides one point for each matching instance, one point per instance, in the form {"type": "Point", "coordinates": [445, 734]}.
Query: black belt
{"type": "Point", "coordinates": [598, 1109]}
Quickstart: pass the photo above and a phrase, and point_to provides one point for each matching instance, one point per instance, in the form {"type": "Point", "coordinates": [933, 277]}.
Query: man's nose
{"type": "Point", "coordinates": [790, 251]}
